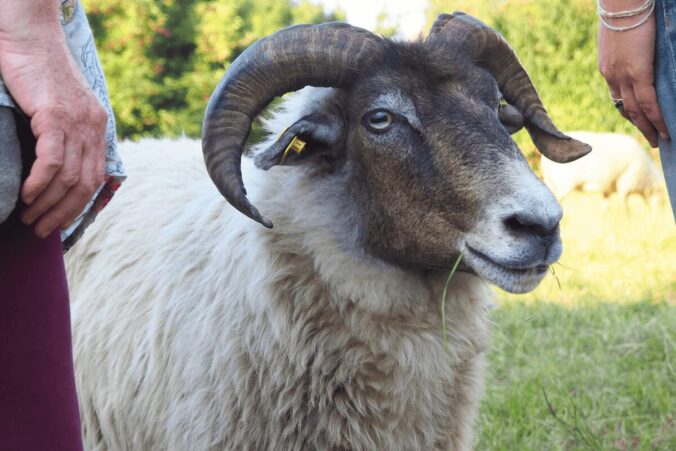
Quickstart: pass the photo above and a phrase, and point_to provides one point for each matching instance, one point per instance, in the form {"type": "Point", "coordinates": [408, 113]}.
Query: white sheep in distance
{"type": "Point", "coordinates": [618, 164]}
{"type": "Point", "coordinates": [196, 328]}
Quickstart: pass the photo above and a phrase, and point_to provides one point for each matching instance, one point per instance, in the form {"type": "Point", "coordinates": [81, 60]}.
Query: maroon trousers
{"type": "Point", "coordinates": [38, 405]}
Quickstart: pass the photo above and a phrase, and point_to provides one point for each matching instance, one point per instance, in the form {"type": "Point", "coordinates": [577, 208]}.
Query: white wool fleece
{"type": "Point", "coordinates": [196, 328]}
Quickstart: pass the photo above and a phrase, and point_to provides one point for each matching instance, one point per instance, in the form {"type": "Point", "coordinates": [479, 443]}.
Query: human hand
{"type": "Point", "coordinates": [626, 61]}
{"type": "Point", "coordinates": [66, 118]}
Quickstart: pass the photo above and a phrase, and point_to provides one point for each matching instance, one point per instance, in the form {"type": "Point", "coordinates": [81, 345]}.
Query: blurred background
{"type": "Point", "coordinates": [162, 58]}
{"type": "Point", "coordinates": [587, 360]}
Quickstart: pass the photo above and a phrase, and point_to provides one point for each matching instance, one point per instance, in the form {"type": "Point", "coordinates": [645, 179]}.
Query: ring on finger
{"type": "Point", "coordinates": [617, 101]}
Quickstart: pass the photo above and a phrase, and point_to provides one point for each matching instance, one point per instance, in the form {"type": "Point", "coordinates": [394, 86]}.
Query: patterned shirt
{"type": "Point", "coordinates": [81, 44]}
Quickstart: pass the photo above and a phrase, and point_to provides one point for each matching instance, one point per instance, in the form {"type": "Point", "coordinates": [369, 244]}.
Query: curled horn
{"type": "Point", "coordinates": [490, 50]}
{"type": "Point", "coordinates": [326, 55]}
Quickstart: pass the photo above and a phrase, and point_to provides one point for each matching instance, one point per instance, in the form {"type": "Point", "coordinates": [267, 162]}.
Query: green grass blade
{"type": "Point", "coordinates": [443, 301]}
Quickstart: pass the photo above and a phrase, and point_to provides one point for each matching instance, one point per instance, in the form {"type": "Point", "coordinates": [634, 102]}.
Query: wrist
{"type": "Point", "coordinates": [29, 21]}
{"type": "Point", "coordinates": [620, 5]}
{"type": "Point", "coordinates": [621, 19]}
{"type": "Point", "coordinates": [627, 21]}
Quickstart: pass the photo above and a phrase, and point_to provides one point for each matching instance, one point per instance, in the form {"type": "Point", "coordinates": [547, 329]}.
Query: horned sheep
{"type": "Point", "coordinates": [618, 164]}
{"type": "Point", "coordinates": [197, 329]}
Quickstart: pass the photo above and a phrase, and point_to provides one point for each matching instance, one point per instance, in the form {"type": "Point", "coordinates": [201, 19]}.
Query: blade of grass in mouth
{"type": "Point", "coordinates": [443, 301]}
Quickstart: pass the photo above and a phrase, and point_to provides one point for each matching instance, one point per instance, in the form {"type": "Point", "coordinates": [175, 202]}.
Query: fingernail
{"type": "Point", "coordinates": [26, 219]}
{"type": "Point", "coordinates": [664, 136]}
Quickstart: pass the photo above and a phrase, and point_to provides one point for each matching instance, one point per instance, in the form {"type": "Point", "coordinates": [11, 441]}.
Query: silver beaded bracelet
{"type": "Point", "coordinates": [603, 14]}
{"type": "Point", "coordinates": [628, 13]}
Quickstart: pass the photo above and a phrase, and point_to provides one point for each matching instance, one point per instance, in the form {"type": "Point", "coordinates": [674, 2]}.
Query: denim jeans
{"type": "Point", "coordinates": [665, 84]}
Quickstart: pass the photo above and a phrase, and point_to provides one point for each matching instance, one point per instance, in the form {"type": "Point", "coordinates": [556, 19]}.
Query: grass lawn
{"type": "Point", "coordinates": [589, 361]}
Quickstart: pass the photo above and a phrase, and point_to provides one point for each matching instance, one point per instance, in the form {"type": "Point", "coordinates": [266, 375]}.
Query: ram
{"type": "Point", "coordinates": [619, 164]}
{"type": "Point", "coordinates": [197, 328]}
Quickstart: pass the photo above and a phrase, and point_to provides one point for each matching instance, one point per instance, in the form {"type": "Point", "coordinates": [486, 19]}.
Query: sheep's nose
{"type": "Point", "coordinates": [539, 224]}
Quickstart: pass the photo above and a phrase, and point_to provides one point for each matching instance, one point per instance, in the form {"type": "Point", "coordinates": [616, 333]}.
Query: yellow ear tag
{"type": "Point", "coordinates": [296, 144]}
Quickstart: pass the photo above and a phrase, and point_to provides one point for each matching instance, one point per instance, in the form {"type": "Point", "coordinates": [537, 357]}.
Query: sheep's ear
{"type": "Point", "coordinates": [511, 117]}
{"type": "Point", "coordinates": [309, 139]}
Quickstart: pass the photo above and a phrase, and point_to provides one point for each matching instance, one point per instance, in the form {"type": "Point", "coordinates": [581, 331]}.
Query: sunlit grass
{"type": "Point", "coordinates": [612, 254]}
{"type": "Point", "coordinates": [590, 364]}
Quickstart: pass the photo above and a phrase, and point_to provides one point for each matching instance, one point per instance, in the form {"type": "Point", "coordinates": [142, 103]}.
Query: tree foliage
{"type": "Point", "coordinates": [556, 42]}
{"type": "Point", "coordinates": [163, 58]}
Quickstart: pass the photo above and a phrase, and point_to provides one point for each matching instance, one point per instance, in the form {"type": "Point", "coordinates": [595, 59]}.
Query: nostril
{"type": "Point", "coordinates": [540, 227]}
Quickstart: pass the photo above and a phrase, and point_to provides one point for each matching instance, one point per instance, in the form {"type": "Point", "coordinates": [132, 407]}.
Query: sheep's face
{"type": "Point", "coordinates": [413, 143]}
{"type": "Point", "coordinates": [442, 176]}
{"type": "Point", "coordinates": [431, 172]}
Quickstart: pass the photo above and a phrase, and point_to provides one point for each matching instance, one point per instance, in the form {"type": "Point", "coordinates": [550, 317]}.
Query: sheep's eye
{"type": "Point", "coordinates": [378, 121]}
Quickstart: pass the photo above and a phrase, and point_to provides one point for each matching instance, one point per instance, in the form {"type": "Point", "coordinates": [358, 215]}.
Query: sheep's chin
{"type": "Point", "coordinates": [513, 280]}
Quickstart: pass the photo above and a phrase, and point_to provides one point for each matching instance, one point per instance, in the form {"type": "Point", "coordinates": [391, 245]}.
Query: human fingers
{"type": "Point", "coordinates": [614, 89]}
{"type": "Point", "coordinates": [67, 177]}
{"type": "Point", "coordinates": [91, 131]}
{"type": "Point", "coordinates": [91, 179]}
{"type": "Point", "coordinates": [647, 102]}
{"type": "Point", "coordinates": [616, 98]}
{"type": "Point", "coordinates": [633, 110]}
{"type": "Point", "coordinates": [72, 204]}
{"type": "Point", "coordinates": [49, 152]}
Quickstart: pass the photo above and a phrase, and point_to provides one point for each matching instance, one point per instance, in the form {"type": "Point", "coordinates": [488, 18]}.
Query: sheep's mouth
{"type": "Point", "coordinates": [515, 279]}
{"type": "Point", "coordinates": [513, 269]}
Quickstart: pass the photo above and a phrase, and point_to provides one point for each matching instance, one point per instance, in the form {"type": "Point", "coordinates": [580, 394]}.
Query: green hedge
{"type": "Point", "coordinates": [163, 58]}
